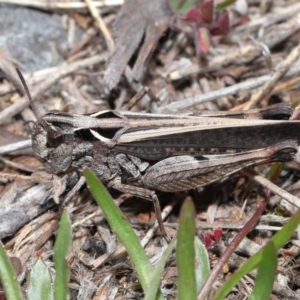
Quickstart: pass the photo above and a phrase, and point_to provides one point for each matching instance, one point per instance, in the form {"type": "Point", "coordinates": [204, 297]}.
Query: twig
{"type": "Point", "coordinates": [121, 250]}
{"type": "Point", "coordinates": [58, 73]}
{"type": "Point", "coordinates": [132, 102]}
{"type": "Point", "coordinates": [233, 245]}
{"type": "Point", "coordinates": [266, 20]}
{"type": "Point", "coordinates": [281, 70]}
{"type": "Point", "coordinates": [13, 176]}
{"type": "Point", "coordinates": [286, 85]}
{"type": "Point", "coordinates": [231, 248]}
{"type": "Point", "coordinates": [153, 229]}
{"type": "Point", "coordinates": [247, 85]}
{"type": "Point", "coordinates": [100, 23]}
{"type": "Point", "coordinates": [74, 5]}
{"type": "Point", "coordinates": [84, 220]}
{"type": "Point", "coordinates": [74, 191]}
{"type": "Point", "coordinates": [15, 146]}
{"type": "Point", "coordinates": [246, 53]}
{"type": "Point", "coordinates": [273, 187]}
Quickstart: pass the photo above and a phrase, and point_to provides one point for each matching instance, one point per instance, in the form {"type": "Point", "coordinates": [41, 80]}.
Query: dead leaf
{"type": "Point", "coordinates": [137, 19]}
{"type": "Point", "coordinates": [7, 137]}
{"type": "Point", "coordinates": [25, 163]}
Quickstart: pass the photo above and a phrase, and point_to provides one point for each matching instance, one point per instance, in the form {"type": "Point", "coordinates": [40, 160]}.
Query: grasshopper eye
{"type": "Point", "coordinates": [55, 136]}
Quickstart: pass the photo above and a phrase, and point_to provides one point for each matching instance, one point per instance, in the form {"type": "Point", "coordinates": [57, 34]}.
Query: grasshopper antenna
{"type": "Point", "coordinates": [27, 93]}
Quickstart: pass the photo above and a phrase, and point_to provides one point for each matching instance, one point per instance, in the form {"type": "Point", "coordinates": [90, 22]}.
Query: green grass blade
{"type": "Point", "coordinates": [279, 239]}
{"type": "Point", "coordinates": [182, 7]}
{"type": "Point", "coordinates": [266, 273]}
{"type": "Point", "coordinates": [185, 252]}
{"type": "Point", "coordinates": [40, 283]}
{"type": "Point", "coordinates": [122, 229]}
{"type": "Point", "coordinates": [202, 263]}
{"type": "Point", "coordinates": [224, 4]}
{"type": "Point", "coordinates": [151, 292]}
{"type": "Point", "coordinates": [298, 231]}
{"type": "Point", "coordinates": [61, 249]}
{"type": "Point", "coordinates": [8, 277]}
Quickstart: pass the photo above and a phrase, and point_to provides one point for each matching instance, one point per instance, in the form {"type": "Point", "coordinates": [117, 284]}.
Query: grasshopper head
{"type": "Point", "coordinates": [52, 137]}
{"type": "Point", "coordinates": [52, 143]}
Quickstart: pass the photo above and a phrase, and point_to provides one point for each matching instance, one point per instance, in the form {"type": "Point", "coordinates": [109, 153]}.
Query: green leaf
{"type": "Point", "coordinates": [279, 239]}
{"type": "Point", "coordinates": [8, 277]}
{"type": "Point", "coordinates": [185, 252]}
{"type": "Point", "coordinates": [182, 6]}
{"type": "Point", "coordinates": [266, 273]}
{"type": "Point", "coordinates": [298, 231]}
{"type": "Point", "coordinates": [151, 292]}
{"type": "Point", "coordinates": [202, 263]}
{"type": "Point", "coordinates": [223, 5]}
{"type": "Point", "coordinates": [61, 250]}
{"type": "Point", "coordinates": [40, 283]}
{"type": "Point", "coordinates": [122, 229]}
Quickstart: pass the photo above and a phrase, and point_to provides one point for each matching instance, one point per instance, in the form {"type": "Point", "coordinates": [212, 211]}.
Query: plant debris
{"type": "Point", "coordinates": [65, 56]}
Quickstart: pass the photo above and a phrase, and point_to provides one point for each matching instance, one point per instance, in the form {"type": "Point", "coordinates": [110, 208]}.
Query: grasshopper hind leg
{"type": "Point", "coordinates": [145, 194]}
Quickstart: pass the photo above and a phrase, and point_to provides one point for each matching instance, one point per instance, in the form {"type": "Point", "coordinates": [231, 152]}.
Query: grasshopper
{"type": "Point", "coordinates": [141, 153]}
